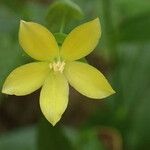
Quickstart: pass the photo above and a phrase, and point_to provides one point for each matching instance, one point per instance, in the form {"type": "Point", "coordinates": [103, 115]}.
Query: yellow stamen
{"type": "Point", "coordinates": [57, 66]}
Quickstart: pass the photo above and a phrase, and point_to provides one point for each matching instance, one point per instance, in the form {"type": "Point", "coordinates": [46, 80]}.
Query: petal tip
{"type": "Point", "coordinates": [110, 92]}
{"type": "Point", "coordinates": [97, 25]}
{"type": "Point", "coordinates": [54, 121]}
{"type": "Point", "coordinates": [113, 91]}
{"type": "Point", "coordinates": [6, 91]}
{"type": "Point", "coordinates": [97, 20]}
{"type": "Point", "coordinates": [22, 22]}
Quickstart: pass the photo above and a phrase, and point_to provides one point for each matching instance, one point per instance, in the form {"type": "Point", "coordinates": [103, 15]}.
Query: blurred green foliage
{"type": "Point", "coordinates": [66, 10]}
{"type": "Point", "coordinates": [125, 47]}
{"type": "Point", "coordinates": [20, 140]}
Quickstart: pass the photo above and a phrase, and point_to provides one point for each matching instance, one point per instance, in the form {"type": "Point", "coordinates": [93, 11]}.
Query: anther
{"type": "Point", "coordinates": [57, 66]}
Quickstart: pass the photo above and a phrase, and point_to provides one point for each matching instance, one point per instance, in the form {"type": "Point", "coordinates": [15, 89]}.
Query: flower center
{"type": "Point", "coordinates": [57, 66]}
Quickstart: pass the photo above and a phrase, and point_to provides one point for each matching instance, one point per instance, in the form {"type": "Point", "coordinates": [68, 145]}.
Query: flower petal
{"type": "Point", "coordinates": [26, 79]}
{"type": "Point", "coordinates": [37, 41]}
{"type": "Point", "coordinates": [81, 41]}
{"type": "Point", "coordinates": [87, 80]}
{"type": "Point", "coordinates": [54, 97]}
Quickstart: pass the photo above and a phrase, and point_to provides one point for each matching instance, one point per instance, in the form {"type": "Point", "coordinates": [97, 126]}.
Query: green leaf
{"type": "Point", "coordinates": [60, 37]}
{"type": "Point", "coordinates": [61, 13]}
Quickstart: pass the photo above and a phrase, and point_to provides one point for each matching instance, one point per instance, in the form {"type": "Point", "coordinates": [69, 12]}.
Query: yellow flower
{"type": "Point", "coordinates": [57, 66]}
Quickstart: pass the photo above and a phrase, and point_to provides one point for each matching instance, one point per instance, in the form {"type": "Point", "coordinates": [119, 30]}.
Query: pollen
{"type": "Point", "coordinates": [57, 66]}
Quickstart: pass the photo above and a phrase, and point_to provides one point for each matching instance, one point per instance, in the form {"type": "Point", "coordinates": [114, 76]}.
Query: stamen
{"type": "Point", "coordinates": [57, 66]}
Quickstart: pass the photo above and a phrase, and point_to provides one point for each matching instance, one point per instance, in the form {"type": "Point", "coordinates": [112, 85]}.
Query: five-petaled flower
{"type": "Point", "coordinates": [57, 66]}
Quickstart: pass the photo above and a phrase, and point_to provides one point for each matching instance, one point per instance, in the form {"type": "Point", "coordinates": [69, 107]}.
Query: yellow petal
{"type": "Point", "coordinates": [26, 79]}
{"type": "Point", "coordinates": [54, 97]}
{"type": "Point", "coordinates": [87, 80]}
{"type": "Point", "coordinates": [37, 41]}
{"type": "Point", "coordinates": [81, 41]}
